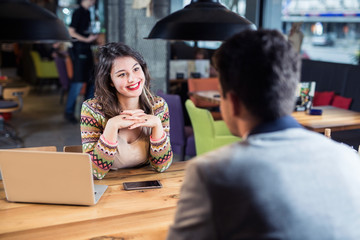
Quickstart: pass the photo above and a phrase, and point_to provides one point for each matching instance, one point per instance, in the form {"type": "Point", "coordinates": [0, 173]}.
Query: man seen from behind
{"type": "Point", "coordinates": [282, 181]}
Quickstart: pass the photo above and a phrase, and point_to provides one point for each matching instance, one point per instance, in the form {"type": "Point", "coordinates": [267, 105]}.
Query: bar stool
{"type": "Point", "coordinates": [12, 102]}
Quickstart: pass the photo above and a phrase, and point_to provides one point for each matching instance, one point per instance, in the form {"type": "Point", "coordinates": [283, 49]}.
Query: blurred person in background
{"type": "Point", "coordinates": [296, 36]}
{"type": "Point", "coordinates": [82, 57]}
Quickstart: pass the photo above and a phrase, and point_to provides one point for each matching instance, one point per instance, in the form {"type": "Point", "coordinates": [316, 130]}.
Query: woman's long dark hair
{"type": "Point", "coordinates": [105, 92]}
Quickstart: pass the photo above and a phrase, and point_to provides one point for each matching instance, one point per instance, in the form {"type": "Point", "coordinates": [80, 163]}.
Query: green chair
{"type": "Point", "coordinates": [45, 70]}
{"type": "Point", "coordinates": [209, 134]}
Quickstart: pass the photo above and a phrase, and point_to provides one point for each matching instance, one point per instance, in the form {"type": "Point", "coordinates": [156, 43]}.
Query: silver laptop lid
{"type": "Point", "coordinates": [47, 177]}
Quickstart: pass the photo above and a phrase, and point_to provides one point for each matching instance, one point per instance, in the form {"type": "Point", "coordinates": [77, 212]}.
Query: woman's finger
{"type": "Point", "coordinates": [140, 114]}
{"type": "Point", "coordinates": [132, 112]}
{"type": "Point", "coordinates": [143, 122]}
{"type": "Point", "coordinates": [130, 117]}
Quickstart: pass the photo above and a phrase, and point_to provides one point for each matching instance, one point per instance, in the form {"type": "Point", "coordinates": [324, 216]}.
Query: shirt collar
{"type": "Point", "coordinates": [279, 124]}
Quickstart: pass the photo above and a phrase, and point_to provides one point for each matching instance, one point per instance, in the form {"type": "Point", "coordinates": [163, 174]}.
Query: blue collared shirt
{"type": "Point", "coordinates": [279, 124]}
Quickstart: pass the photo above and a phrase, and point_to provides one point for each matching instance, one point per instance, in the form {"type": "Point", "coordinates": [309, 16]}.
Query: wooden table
{"type": "Point", "coordinates": [10, 83]}
{"type": "Point", "coordinates": [120, 214]}
{"type": "Point", "coordinates": [178, 85]}
{"type": "Point", "coordinates": [212, 96]}
{"type": "Point", "coordinates": [337, 119]}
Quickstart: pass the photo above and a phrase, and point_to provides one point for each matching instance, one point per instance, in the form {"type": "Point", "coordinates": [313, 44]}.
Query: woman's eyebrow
{"type": "Point", "coordinates": [124, 70]}
{"type": "Point", "coordinates": [135, 64]}
{"type": "Point", "coordinates": [119, 71]}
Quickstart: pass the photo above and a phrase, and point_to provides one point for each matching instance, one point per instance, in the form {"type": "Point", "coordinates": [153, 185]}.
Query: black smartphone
{"type": "Point", "coordinates": [142, 185]}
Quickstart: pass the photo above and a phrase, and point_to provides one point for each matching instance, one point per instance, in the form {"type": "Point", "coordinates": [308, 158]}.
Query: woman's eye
{"type": "Point", "coordinates": [121, 75]}
{"type": "Point", "coordinates": [136, 69]}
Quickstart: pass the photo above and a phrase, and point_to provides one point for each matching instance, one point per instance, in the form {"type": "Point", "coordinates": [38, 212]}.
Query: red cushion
{"type": "Point", "coordinates": [323, 98]}
{"type": "Point", "coordinates": [341, 102]}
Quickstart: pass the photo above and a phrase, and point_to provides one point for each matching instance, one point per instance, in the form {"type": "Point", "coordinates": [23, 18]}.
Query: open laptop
{"type": "Point", "coordinates": [49, 177]}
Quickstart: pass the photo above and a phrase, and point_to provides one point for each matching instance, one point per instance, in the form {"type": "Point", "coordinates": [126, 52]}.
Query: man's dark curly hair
{"type": "Point", "coordinates": [262, 69]}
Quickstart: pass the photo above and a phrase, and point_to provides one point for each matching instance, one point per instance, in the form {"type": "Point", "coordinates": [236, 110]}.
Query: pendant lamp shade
{"type": "Point", "coordinates": [200, 20]}
{"type": "Point", "coordinates": [22, 21]}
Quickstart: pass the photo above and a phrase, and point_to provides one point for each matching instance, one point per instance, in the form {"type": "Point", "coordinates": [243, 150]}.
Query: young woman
{"type": "Point", "coordinates": [124, 125]}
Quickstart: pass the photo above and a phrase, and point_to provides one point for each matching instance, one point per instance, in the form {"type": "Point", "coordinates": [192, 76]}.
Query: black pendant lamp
{"type": "Point", "coordinates": [206, 20]}
{"type": "Point", "coordinates": [22, 21]}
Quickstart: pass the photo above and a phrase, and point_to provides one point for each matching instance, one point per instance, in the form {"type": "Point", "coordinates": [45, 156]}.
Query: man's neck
{"type": "Point", "coordinates": [247, 125]}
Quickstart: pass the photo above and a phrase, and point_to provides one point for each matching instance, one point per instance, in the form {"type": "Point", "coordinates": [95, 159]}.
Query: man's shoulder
{"type": "Point", "coordinates": [78, 15]}
{"type": "Point", "coordinates": [219, 157]}
{"type": "Point", "coordinates": [81, 9]}
{"type": "Point", "coordinates": [270, 149]}
{"type": "Point", "coordinates": [289, 134]}
{"type": "Point", "coordinates": [77, 11]}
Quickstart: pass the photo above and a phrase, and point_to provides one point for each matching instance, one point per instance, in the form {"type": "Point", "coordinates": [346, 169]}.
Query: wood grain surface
{"type": "Point", "coordinates": [120, 214]}
{"type": "Point", "coordinates": [337, 119]}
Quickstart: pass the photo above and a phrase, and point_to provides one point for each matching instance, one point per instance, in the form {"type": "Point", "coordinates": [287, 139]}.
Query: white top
{"type": "Point", "coordinates": [132, 154]}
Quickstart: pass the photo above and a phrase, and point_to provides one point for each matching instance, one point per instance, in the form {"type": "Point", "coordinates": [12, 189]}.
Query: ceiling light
{"type": "Point", "coordinates": [206, 20]}
{"type": "Point", "coordinates": [22, 21]}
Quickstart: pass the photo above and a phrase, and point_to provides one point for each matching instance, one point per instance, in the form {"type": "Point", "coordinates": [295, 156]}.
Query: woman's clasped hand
{"type": "Point", "coordinates": [136, 118]}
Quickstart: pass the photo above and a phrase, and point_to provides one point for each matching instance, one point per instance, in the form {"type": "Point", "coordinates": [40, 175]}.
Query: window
{"type": "Point", "coordinates": [331, 28]}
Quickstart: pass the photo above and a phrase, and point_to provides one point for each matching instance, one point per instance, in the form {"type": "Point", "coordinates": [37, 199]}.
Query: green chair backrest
{"type": "Point", "coordinates": [44, 69]}
{"type": "Point", "coordinates": [208, 134]}
{"type": "Point", "coordinates": [203, 126]}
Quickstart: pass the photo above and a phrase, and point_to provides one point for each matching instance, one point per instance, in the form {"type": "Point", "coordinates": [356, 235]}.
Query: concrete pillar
{"type": "Point", "coordinates": [265, 14]}
{"type": "Point", "coordinates": [115, 20]}
{"type": "Point", "coordinates": [272, 15]}
{"type": "Point", "coordinates": [131, 26]}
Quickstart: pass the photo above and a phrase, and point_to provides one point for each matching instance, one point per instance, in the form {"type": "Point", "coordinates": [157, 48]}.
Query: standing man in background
{"type": "Point", "coordinates": [82, 57]}
{"type": "Point", "coordinates": [296, 36]}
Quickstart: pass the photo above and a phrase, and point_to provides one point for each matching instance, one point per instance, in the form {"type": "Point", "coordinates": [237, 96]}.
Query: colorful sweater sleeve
{"type": "Point", "coordinates": [92, 124]}
{"type": "Point", "coordinates": [103, 153]}
{"type": "Point", "coordinates": [161, 154]}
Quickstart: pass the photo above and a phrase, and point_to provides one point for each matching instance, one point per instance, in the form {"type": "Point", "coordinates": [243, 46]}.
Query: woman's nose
{"type": "Point", "coordinates": [130, 78]}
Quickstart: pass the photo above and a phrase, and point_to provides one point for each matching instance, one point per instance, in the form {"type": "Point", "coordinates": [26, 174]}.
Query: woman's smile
{"type": "Point", "coordinates": [127, 77]}
{"type": "Point", "coordinates": [134, 87]}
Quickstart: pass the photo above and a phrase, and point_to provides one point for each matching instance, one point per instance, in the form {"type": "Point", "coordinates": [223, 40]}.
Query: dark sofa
{"type": "Point", "coordinates": [343, 79]}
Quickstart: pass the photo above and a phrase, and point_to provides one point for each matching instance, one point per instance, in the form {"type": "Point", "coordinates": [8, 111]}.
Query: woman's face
{"type": "Point", "coordinates": [127, 77]}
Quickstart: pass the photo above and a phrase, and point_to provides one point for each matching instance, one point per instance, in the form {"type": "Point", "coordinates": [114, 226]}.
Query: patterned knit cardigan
{"type": "Point", "coordinates": [103, 154]}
